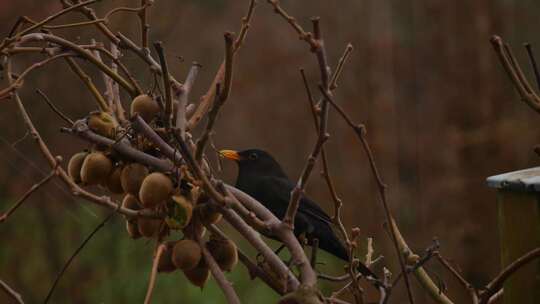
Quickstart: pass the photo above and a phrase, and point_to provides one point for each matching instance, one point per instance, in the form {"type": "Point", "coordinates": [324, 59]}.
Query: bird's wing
{"type": "Point", "coordinates": [280, 189]}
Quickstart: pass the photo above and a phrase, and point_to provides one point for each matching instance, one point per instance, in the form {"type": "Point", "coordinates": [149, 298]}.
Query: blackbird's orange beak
{"type": "Point", "coordinates": [230, 154]}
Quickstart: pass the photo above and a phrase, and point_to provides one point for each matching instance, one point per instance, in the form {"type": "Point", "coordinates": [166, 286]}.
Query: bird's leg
{"type": "Point", "coordinates": [260, 259]}
{"type": "Point", "coordinates": [279, 249]}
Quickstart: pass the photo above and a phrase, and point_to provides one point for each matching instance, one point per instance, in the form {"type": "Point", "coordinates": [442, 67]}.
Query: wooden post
{"type": "Point", "coordinates": [518, 200]}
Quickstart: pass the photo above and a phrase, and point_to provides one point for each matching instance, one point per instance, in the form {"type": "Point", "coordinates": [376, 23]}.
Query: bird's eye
{"type": "Point", "coordinates": [253, 156]}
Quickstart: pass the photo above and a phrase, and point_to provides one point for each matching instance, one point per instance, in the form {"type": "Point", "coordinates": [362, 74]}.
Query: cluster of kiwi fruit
{"type": "Point", "coordinates": [185, 205]}
{"type": "Point", "coordinates": [186, 255]}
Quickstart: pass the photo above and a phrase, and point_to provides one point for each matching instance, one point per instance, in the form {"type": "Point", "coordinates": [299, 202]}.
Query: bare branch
{"type": "Point", "coordinates": [153, 274]}
{"type": "Point", "coordinates": [9, 40]}
{"type": "Point", "coordinates": [282, 232]}
{"type": "Point", "coordinates": [339, 68]}
{"type": "Point", "coordinates": [86, 54]}
{"type": "Point", "coordinates": [145, 26]}
{"type": "Point", "coordinates": [206, 100]}
{"type": "Point", "coordinates": [212, 116]}
{"type": "Point", "coordinates": [27, 194]}
{"type": "Point", "coordinates": [54, 108]}
{"type": "Point", "coordinates": [516, 76]}
{"type": "Point", "coordinates": [122, 146]}
{"type": "Point", "coordinates": [166, 83]}
{"type": "Point", "coordinates": [102, 104]}
{"type": "Point", "coordinates": [468, 286]}
{"type": "Point", "coordinates": [497, 283]}
{"type": "Point", "coordinates": [298, 190]}
{"type": "Point", "coordinates": [15, 85]}
{"type": "Point", "coordinates": [11, 293]}
{"type": "Point", "coordinates": [72, 257]}
{"type": "Point", "coordinates": [530, 52]}
{"type": "Point", "coordinates": [361, 134]}
{"type": "Point", "coordinates": [182, 96]}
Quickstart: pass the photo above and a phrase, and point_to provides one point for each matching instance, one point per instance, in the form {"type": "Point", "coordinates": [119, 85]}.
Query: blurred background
{"type": "Point", "coordinates": [440, 112]}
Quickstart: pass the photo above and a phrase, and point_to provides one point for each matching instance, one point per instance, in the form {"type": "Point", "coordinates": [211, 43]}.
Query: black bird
{"type": "Point", "coordinates": [261, 176]}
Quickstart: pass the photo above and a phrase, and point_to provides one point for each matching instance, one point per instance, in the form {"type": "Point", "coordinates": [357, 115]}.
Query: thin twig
{"type": "Point", "coordinates": [153, 274]}
{"type": "Point", "coordinates": [84, 53]}
{"type": "Point", "coordinates": [89, 84]}
{"type": "Point", "coordinates": [27, 194]}
{"type": "Point", "coordinates": [496, 284]}
{"type": "Point", "coordinates": [530, 52]}
{"type": "Point", "coordinates": [341, 64]}
{"type": "Point", "coordinates": [119, 108]}
{"type": "Point", "coordinates": [66, 265]}
{"type": "Point", "coordinates": [166, 83]}
{"type": "Point", "coordinates": [282, 232]}
{"type": "Point", "coordinates": [361, 134]}
{"type": "Point", "coordinates": [206, 100]}
{"type": "Point", "coordinates": [10, 292]}
{"type": "Point", "coordinates": [182, 97]}
{"type": "Point", "coordinates": [90, 14]}
{"type": "Point", "coordinates": [54, 108]}
{"type": "Point", "coordinates": [468, 286]}
{"type": "Point", "coordinates": [514, 72]}
{"type": "Point", "coordinates": [8, 40]}
{"type": "Point", "coordinates": [15, 85]}
{"type": "Point", "coordinates": [145, 26]}
{"type": "Point", "coordinates": [298, 190]}
{"type": "Point", "coordinates": [212, 116]}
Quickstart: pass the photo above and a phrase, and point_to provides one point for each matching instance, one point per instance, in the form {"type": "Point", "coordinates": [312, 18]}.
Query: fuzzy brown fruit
{"type": "Point", "coordinates": [146, 106]}
{"type": "Point", "coordinates": [132, 177]}
{"type": "Point", "coordinates": [95, 168]}
{"type": "Point", "coordinates": [148, 227]}
{"type": "Point", "coordinates": [75, 165]}
{"type": "Point", "coordinates": [165, 263]}
{"type": "Point", "coordinates": [155, 188]}
{"type": "Point", "coordinates": [208, 214]}
{"type": "Point", "coordinates": [199, 275]}
{"type": "Point", "coordinates": [186, 254]}
{"type": "Point", "coordinates": [224, 252]}
{"type": "Point", "coordinates": [114, 183]}
{"type": "Point", "coordinates": [102, 123]}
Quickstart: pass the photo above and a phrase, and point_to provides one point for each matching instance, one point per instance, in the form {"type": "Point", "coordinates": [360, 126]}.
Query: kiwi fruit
{"type": "Point", "coordinates": [133, 229]}
{"type": "Point", "coordinates": [186, 254]}
{"type": "Point", "coordinates": [146, 106]}
{"type": "Point", "coordinates": [199, 275]}
{"type": "Point", "coordinates": [224, 252]}
{"type": "Point", "coordinates": [165, 263]}
{"type": "Point", "coordinates": [132, 177]}
{"type": "Point", "coordinates": [148, 227]}
{"type": "Point", "coordinates": [155, 188]}
{"type": "Point", "coordinates": [75, 165]}
{"type": "Point", "coordinates": [113, 181]}
{"type": "Point", "coordinates": [207, 213]}
{"type": "Point", "coordinates": [95, 168]}
{"type": "Point", "coordinates": [102, 123]}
